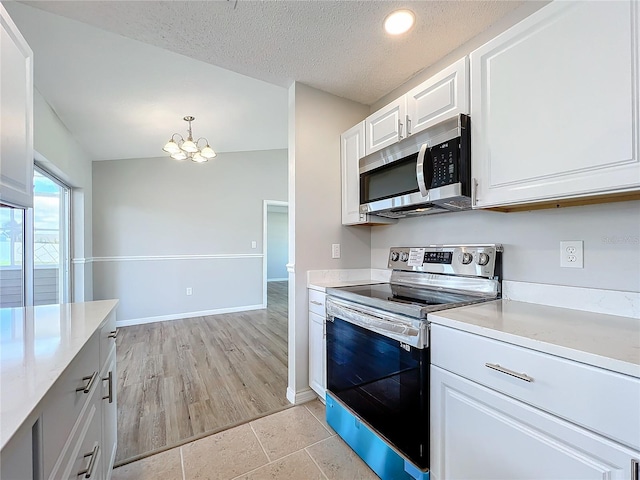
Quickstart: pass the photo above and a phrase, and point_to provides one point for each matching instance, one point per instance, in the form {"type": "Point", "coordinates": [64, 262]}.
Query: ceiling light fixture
{"type": "Point", "coordinates": [188, 149]}
{"type": "Point", "coordinates": [399, 22]}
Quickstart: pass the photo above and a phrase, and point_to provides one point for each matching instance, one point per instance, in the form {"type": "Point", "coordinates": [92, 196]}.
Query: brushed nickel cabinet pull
{"type": "Point", "coordinates": [400, 137]}
{"type": "Point", "coordinates": [110, 380]}
{"type": "Point", "coordinates": [408, 123]}
{"type": "Point", "coordinates": [315, 303]}
{"type": "Point", "coordinates": [635, 469]}
{"type": "Point", "coordinates": [92, 463]}
{"type": "Point", "coordinates": [87, 387]}
{"type": "Point", "coordinates": [114, 333]}
{"type": "Point", "coordinates": [521, 376]}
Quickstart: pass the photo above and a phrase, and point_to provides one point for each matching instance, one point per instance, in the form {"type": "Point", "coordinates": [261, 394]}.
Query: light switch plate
{"type": "Point", "coordinates": [572, 254]}
{"type": "Point", "coordinates": [335, 250]}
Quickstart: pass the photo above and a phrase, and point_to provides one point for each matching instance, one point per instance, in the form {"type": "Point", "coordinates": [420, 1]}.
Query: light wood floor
{"type": "Point", "coordinates": [180, 379]}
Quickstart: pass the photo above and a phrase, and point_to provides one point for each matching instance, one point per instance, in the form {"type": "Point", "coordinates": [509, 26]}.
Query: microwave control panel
{"type": "Point", "coordinates": [444, 159]}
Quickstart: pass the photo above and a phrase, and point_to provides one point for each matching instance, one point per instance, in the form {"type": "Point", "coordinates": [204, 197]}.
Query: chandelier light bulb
{"type": "Point", "coordinates": [171, 147]}
{"type": "Point", "coordinates": [207, 152]}
{"type": "Point", "coordinates": [179, 156]}
{"type": "Point", "coordinates": [189, 146]}
{"type": "Point", "coordinates": [198, 158]}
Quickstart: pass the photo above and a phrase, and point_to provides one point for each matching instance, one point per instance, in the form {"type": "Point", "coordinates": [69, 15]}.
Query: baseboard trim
{"type": "Point", "coordinates": [301, 396]}
{"type": "Point", "coordinates": [178, 316]}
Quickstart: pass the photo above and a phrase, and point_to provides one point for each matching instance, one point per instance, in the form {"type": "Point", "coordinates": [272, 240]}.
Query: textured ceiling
{"type": "Point", "coordinates": [122, 88]}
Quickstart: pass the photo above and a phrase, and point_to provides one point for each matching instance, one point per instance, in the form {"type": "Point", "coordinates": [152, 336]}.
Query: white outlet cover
{"type": "Point", "coordinates": [335, 250]}
{"type": "Point", "coordinates": [572, 254]}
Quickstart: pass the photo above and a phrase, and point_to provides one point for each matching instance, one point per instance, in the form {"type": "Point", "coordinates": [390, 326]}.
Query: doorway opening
{"type": "Point", "coordinates": [275, 245]}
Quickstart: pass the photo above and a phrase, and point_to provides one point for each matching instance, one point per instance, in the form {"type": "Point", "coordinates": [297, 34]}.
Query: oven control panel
{"type": "Point", "coordinates": [468, 260]}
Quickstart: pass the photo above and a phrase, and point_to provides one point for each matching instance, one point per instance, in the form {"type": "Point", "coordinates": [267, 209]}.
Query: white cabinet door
{"type": "Point", "coordinates": [386, 126]}
{"type": "Point", "coordinates": [109, 413]}
{"type": "Point", "coordinates": [554, 112]}
{"type": "Point", "coordinates": [351, 151]}
{"type": "Point", "coordinates": [317, 355]}
{"type": "Point", "coordinates": [477, 433]}
{"type": "Point", "coordinates": [16, 115]}
{"type": "Point", "coordinates": [443, 96]}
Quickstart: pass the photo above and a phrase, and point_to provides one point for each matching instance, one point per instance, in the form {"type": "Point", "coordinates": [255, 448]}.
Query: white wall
{"type": "Point", "coordinates": [316, 120]}
{"type": "Point", "coordinates": [58, 152]}
{"type": "Point", "coordinates": [162, 226]}
{"type": "Point", "coordinates": [277, 245]}
{"type": "Point", "coordinates": [611, 235]}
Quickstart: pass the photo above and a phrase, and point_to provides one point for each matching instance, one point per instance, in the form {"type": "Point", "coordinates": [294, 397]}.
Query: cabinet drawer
{"type": "Point", "coordinates": [316, 302]}
{"type": "Point", "coordinates": [65, 404]}
{"type": "Point", "coordinates": [107, 337]}
{"type": "Point", "coordinates": [598, 399]}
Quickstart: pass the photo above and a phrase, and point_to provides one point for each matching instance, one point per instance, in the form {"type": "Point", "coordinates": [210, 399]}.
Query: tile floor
{"type": "Point", "coordinates": [294, 444]}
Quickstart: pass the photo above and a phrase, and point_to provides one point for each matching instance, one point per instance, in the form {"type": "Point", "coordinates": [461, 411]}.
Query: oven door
{"type": "Point", "coordinates": [382, 380]}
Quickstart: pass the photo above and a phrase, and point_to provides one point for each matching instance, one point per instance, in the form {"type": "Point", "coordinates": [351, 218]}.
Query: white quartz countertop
{"type": "Point", "coordinates": [36, 346]}
{"type": "Point", "coordinates": [606, 341]}
{"type": "Point", "coordinates": [323, 279]}
{"type": "Point", "coordinates": [322, 286]}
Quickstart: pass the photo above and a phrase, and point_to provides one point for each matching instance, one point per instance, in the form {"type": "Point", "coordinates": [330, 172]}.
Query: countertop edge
{"type": "Point", "coordinates": [588, 358]}
{"type": "Point", "coordinates": [7, 435]}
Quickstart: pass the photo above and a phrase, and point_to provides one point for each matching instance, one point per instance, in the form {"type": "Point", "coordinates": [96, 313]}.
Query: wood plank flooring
{"type": "Point", "coordinates": [180, 379]}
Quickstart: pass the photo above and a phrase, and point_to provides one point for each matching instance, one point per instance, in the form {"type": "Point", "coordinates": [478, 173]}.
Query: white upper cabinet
{"type": "Point", "coordinates": [386, 126]}
{"type": "Point", "coordinates": [554, 105]}
{"type": "Point", "coordinates": [440, 98]}
{"type": "Point", "coordinates": [351, 151]}
{"type": "Point", "coordinates": [16, 115]}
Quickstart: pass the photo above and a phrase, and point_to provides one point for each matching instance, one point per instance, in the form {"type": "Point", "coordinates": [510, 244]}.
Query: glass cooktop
{"type": "Point", "coordinates": [412, 301]}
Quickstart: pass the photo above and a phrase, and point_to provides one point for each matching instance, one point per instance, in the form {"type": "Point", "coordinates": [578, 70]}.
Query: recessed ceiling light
{"type": "Point", "coordinates": [399, 22]}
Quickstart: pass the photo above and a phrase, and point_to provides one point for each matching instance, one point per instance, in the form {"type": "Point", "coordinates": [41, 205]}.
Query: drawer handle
{"type": "Point", "coordinates": [635, 469]}
{"type": "Point", "coordinates": [114, 333]}
{"type": "Point", "coordinates": [110, 380]}
{"type": "Point", "coordinates": [521, 376]}
{"type": "Point", "coordinates": [92, 463]}
{"type": "Point", "coordinates": [315, 303]}
{"type": "Point", "coordinates": [87, 387]}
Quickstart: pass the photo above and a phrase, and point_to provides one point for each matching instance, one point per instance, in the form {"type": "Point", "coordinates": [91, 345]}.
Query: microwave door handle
{"type": "Point", "coordinates": [422, 155]}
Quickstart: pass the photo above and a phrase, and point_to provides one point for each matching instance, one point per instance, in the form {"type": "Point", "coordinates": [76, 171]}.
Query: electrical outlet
{"type": "Point", "coordinates": [189, 291]}
{"type": "Point", "coordinates": [572, 254]}
{"type": "Point", "coordinates": [254, 244]}
{"type": "Point", "coordinates": [335, 250]}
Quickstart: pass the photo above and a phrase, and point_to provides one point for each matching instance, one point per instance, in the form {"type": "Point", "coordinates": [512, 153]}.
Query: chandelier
{"type": "Point", "coordinates": [188, 149]}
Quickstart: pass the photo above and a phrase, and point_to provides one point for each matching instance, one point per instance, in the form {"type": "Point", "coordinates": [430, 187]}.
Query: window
{"type": "Point", "coordinates": [12, 278]}
{"type": "Point", "coordinates": [50, 239]}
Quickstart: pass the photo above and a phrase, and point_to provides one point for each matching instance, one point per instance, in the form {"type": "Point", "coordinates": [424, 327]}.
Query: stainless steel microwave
{"type": "Point", "coordinates": [426, 173]}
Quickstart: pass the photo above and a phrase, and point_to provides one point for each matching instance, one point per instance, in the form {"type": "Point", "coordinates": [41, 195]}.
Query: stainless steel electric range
{"type": "Point", "coordinates": [378, 350]}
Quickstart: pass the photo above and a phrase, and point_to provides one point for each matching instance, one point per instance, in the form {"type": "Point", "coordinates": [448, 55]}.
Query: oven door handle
{"type": "Point", "coordinates": [420, 173]}
{"type": "Point", "coordinates": [369, 321]}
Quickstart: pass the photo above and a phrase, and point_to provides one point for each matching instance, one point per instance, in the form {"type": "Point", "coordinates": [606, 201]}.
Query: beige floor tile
{"type": "Point", "coordinates": [297, 466]}
{"type": "Point", "coordinates": [338, 462]}
{"type": "Point", "coordinates": [223, 456]}
{"type": "Point", "coordinates": [317, 408]}
{"type": "Point", "coordinates": [288, 431]}
{"type": "Point", "coordinates": [166, 465]}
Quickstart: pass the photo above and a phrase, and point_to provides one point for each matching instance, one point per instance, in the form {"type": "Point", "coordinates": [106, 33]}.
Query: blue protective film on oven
{"type": "Point", "coordinates": [375, 452]}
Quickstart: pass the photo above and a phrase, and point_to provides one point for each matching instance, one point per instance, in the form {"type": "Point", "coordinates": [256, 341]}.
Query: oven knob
{"type": "Point", "coordinates": [404, 256]}
{"type": "Point", "coordinates": [483, 259]}
{"type": "Point", "coordinates": [395, 256]}
{"type": "Point", "coordinates": [467, 258]}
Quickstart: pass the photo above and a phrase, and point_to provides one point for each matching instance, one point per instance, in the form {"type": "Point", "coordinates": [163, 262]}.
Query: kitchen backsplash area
{"type": "Point", "coordinates": [531, 242]}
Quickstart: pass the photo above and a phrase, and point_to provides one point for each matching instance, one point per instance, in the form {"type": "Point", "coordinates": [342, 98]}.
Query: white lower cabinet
{"type": "Point", "coordinates": [109, 413]}
{"type": "Point", "coordinates": [317, 343]}
{"type": "Point", "coordinates": [478, 433]}
{"type": "Point", "coordinates": [484, 424]}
